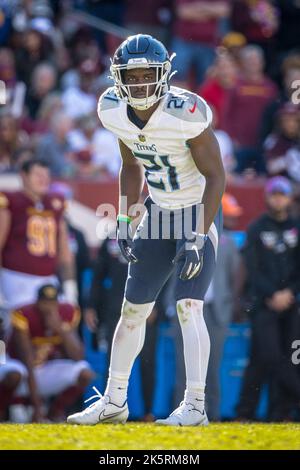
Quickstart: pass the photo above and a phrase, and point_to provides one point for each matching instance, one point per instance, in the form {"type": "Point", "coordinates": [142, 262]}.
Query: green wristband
{"type": "Point", "coordinates": [124, 218]}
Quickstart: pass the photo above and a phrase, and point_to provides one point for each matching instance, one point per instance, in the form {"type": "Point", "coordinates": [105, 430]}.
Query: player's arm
{"type": "Point", "coordinates": [66, 264]}
{"type": "Point", "coordinates": [24, 349]}
{"type": "Point", "coordinates": [206, 154]}
{"type": "Point", "coordinates": [130, 189]}
{"type": "Point", "coordinates": [131, 179]}
{"type": "Point", "coordinates": [72, 345]}
{"type": "Point", "coordinates": [70, 339]}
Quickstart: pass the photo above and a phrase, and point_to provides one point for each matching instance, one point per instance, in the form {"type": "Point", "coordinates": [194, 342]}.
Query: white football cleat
{"type": "Point", "coordinates": [185, 415]}
{"type": "Point", "coordinates": [101, 411]}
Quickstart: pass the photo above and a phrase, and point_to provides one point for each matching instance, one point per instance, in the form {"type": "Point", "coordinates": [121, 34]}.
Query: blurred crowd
{"type": "Point", "coordinates": [243, 58]}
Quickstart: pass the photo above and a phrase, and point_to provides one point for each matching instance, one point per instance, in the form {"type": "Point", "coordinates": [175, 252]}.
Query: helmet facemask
{"type": "Point", "coordinates": [124, 90]}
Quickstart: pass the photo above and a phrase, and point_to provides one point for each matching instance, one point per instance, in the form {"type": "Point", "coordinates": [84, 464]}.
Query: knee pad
{"type": "Point", "coordinates": [187, 308]}
{"type": "Point", "coordinates": [135, 314]}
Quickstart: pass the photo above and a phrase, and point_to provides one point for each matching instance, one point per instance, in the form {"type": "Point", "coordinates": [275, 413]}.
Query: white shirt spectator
{"type": "Point", "coordinates": [103, 146]}
{"type": "Point", "coordinates": [77, 103]}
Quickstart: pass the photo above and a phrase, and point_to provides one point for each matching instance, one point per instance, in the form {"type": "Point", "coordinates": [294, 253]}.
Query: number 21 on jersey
{"type": "Point", "coordinates": [157, 163]}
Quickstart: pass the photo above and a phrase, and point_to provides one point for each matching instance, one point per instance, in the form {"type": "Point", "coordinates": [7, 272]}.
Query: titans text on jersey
{"type": "Point", "coordinates": [161, 146]}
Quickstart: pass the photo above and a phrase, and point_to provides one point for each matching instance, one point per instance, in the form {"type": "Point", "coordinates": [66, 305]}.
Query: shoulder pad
{"type": "Point", "coordinates": [108, 100]}
{"type": "Point", "coordinates": [186, 105]}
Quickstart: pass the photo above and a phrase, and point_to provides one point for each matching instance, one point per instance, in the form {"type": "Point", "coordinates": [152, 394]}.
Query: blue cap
{"type": "Point", "coordinates": [279, 184]}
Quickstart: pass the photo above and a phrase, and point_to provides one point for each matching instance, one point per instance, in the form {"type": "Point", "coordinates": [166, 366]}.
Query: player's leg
{"type": "Point", "coordinates": [144, 281]}
{"type": "Point", "coordinates": [190, 296]}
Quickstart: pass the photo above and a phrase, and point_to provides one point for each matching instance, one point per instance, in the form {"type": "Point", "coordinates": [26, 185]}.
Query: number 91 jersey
{"type": "Point", "coordinates": [161, 146]}
{"type": "Point", "coordinates": [32, 242]}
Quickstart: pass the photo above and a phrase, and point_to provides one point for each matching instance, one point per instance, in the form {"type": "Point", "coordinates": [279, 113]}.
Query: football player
{"type": "Point", "coordinates": [44, 337]}
{"type": "Point", "coordinates": [165, 135]}
{"type": "Point", "coordinates": [33, 239]}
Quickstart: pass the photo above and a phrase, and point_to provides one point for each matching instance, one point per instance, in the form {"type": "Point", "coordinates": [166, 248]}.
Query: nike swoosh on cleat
{"type": "Point", "coordinates": [106, 417]}
{"type": "Point", "coordinates": [192, 110]}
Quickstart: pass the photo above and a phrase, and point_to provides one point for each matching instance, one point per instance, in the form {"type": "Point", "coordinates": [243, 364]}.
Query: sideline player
{"type": "Point", "coordinates": [33, 239]}
{"type": "Point", "coordinates": [44, 337]}
{"type": "Point", "coordinates": [165, 133]}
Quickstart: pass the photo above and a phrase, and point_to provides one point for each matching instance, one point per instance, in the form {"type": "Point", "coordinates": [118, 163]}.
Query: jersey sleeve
{"type": "Point", "coordinates": [107, 104]}
{"type": "Point", "coordinates": [193, 112]}
{"type": "Point", "coordinates": [197, 117]}
{"type": "Point", "coordinates": [19, 320]}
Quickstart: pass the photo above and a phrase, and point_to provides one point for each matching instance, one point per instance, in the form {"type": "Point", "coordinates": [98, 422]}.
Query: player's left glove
{"type": "Point", "coordinates": [124, 238]}
{"type": "Point", "coordinates": [192, 251]}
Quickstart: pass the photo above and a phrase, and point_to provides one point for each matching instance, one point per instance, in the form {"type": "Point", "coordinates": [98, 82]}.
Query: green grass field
{"type": "Point", "coordinates": [221, 436]}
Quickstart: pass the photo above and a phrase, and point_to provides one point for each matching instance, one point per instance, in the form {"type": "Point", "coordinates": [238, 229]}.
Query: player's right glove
{"type": "Point", "coordinates": [124, 238]}
{"type": "Point", "coordinates": [192, 252]}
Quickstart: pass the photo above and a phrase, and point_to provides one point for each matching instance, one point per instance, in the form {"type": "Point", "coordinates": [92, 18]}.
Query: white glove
{"type": "Point", "coordinates": [70, 291]}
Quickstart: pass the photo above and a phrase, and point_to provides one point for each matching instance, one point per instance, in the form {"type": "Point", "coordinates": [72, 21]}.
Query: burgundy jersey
{"type": "Point", "coordinates": [31, 245]}
{"type": "Point", "coordinates": [46, 344]}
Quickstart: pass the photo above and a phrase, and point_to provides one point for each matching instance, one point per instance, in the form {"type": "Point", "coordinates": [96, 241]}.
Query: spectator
{"type": "Point", "coordinates": [233, 42]}
{"type": "Point", "coordinates": [50, 105]}
{"type": "Point", "coordinates": [81, 100]}
{"type": "Point", "coordinates": [22, 155]}
{"type": "Point", "coordinates": [272, 255]}
{"type": "Point", "coordinates": [216, 88]}
{"type": "Point", "coordinates": [35, 48]}
{"type": "Point", "coordinates": [82, 47]}
{"type": "Point", "coordinates": [153, 18]}
{"type": "Point", "coordinates": [282, 147]}
{"type": "Point", "coordinates": [14, 89]}
{"type": "Point", "coordinates": [291, 73]}
{"type": "Point", "coordinates": [44, 338]}
{"type": "Point", "coordinates": [55, 149]}
{"type": "Point", "coordinates": [7, 67]}
{"type": "Point", "coordinates": [43, 82]}
{"type": "Point", "coordinates": [98, 144]}
{"type": "Point", "coordinates": [253, 92]}
{"type": "Point", "coordinates": [196, 34]}
{"type": "Point", "coordinates": [11, 140]}
{"type": "Point", "coordinates": [220, 301]}
{"type": "Point", "coordinates": [258, 20]}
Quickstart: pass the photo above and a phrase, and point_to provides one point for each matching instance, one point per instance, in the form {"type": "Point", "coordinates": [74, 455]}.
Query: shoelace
{"type": "Point", "coordinates": [97, 395]}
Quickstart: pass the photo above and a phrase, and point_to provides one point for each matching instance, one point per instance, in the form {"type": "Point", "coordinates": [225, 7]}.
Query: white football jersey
{"type": "Point", "coordinates": [161, 146]}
